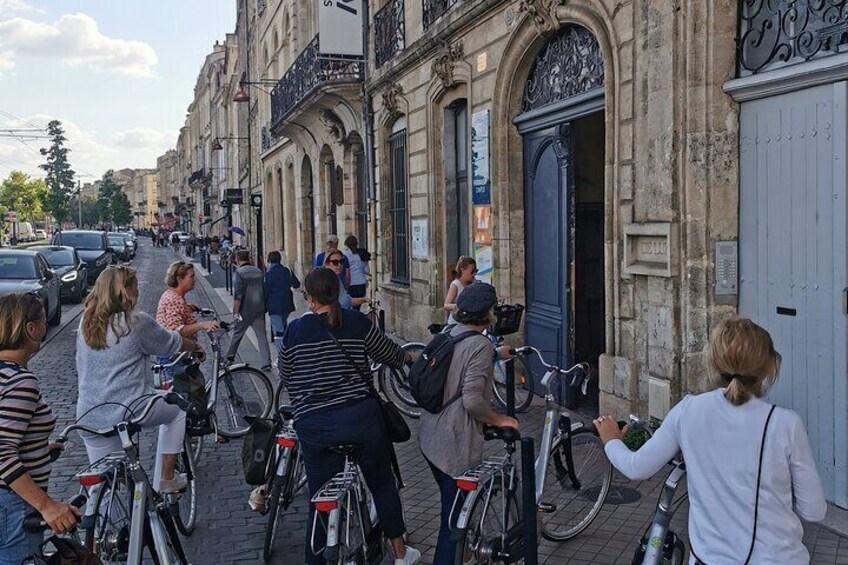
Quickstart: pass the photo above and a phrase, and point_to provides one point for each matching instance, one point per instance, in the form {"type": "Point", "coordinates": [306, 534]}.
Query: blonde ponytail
{"type": "Point", "coordinates": [742, 354]}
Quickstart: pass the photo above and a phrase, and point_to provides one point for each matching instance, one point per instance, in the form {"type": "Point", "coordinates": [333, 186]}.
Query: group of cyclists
{"type": "Point", "coordinates": [752, 477]}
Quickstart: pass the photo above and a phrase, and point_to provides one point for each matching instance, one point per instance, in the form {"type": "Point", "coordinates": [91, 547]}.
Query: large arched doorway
{"type": "Point", "coordinates": [562, 127]}
{"type": "Point", "coordinates": [308, 229]}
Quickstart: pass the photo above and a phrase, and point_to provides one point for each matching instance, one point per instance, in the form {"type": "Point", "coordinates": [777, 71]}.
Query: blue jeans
{"type": "Point", "coordinates": [445, 547]}
{"type": "Point", "coordinates": [358, 423]}
{"type": "Point", "coordinates": [279, 323]}
{"type": "Point", "coordinates": [16, 544]}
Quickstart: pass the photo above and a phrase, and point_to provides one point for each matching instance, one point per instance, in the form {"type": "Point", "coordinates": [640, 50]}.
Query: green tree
{"type": "Point", "coordinates": [24, 195]}
{"type": "Point", "coordinates": [113, 205]}
{"type": "Point", "coordinates": [60, 176]}
{"type": "Point", "coordinates": [90, 211]}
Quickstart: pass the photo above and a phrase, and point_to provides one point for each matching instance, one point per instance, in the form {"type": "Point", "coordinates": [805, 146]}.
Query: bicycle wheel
{"type": "Point", "coordinates": [575, 508]}
{"type": "Point", "coordinates": [278, 502]}
{"type": "Point", "coordinates": [394, 384]}
{"type": "Point", "coordinates": [523, 394]}
{"type": "Point", "coordinates": [243, 391]}
{"type": "Point", "coordinates": [107, 526]}
{"type": "Point", "coordinates": [478, 543]}
{"type": "Point", "coordinates": [184, 505]}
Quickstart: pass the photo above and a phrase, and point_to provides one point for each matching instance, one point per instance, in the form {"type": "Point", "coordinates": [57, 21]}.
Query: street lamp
{"type": "Point", "coordinates": [216, 143]}
{"type": "Point", "coordinates": [242, 95]}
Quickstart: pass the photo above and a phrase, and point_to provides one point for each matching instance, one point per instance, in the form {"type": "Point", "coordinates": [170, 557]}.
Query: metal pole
{"type": "Point", "coordinates": [260, 258]}
{"type": "Point", "coordinates": [510, 387]}
{"type": "Point", "coordinates": [528, 498]}
{"type": "Point", "coordinates": [79, 204]}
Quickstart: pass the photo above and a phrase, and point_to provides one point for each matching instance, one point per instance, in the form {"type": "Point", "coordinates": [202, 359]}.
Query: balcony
{"type": "Point", "coordinates": [310, 75]}
{"type": "Point", "coordinates": [435, 9]}
{"type": "Point", "coordinates": [786, 32]}
{"type": "Point", "coordinates": [269, 140]}
{"type": "Point", "coordinates": [199, 178]}
{"type": "Point", "coordinates": [389, 32]}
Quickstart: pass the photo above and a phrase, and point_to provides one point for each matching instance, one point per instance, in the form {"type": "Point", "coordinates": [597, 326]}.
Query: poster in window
{"type": "Point", "coordinates": [483, 225]}
{"type": "Point", "coordinates": [485, 257]}
{"type": "Point", "coordinates": [481, 175]}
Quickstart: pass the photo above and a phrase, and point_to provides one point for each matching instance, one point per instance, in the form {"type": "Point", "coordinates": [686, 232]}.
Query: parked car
{"type": "Point", "coordinates": [132, 240]}
{"type": "Point", "coordinates": [22, 270]}
{"type": "Point", "coordinates": [92, 247]}
{"type": "Point", "coordinates": [122, 248]}
{"type": "Point", "coordinates": [183, 236]}
{"type": "Point", "coordinates": [40, 234]}
{"type": "Point", "coordinates": [69, 267]}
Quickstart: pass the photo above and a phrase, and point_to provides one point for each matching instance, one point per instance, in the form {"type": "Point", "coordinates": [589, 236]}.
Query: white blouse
{"type": "Point", "coordinates": [721, 445]}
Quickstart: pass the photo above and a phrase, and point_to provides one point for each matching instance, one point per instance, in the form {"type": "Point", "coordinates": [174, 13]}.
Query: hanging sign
{"type": "Point", "coordinates": [482, 194]}
{"type": "Point", "coordinates": [340, 27]}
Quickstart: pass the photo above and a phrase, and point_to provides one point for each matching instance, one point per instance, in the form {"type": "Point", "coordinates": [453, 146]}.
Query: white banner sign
{"type": "Point", "coordinates": [340, 27]}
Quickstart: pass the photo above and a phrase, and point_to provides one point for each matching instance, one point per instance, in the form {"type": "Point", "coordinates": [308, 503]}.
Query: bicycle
{"type": "Point", "coordinates": [394, 383]}
{"type": "Point", "coordinates": [572, 477]}
{"type": "Point", "coordinates": [236, 410]}
{"type": "Point", "coordinates": [659, 545]}
{"type": "Point", "coordinates": [346, 511]}
{"type": "Point", "coordinates": [125, 514]}
{"type": "Point", "coordinates": [289, 473]}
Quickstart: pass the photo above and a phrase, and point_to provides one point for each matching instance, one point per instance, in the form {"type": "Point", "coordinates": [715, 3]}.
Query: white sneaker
{"type": "Point", "coordinates": [177, 484]}
{"type": "Point", "coordinates": [412, 557]}
{"type": "Point", "coordinates": [257, 498]}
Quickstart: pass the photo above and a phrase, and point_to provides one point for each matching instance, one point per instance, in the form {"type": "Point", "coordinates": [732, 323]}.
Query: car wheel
{"type": "Point", "coordinates": [57, 317]}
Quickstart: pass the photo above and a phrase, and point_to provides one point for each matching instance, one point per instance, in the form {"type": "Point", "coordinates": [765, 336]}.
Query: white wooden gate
{"type": "Point", "coordinates": [792, 242]}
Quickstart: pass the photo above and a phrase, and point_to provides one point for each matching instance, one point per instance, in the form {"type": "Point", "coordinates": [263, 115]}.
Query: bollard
{"type": "Point", "coordinates": [509, 367]}
{"type": "Point", "coordinates": [528, 500]}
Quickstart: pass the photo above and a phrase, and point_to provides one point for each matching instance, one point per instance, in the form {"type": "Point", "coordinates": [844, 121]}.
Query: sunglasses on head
{"type": "Point", "coordinates": [335, 262]}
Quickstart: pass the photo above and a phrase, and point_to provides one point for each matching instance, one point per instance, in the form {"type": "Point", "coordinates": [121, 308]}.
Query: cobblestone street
{"type": "Point", "coordinates": [228, 532]}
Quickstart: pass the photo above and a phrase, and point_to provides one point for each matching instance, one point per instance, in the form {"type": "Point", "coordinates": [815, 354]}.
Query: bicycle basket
{"type": "Point", "coordinates": [508, 319]}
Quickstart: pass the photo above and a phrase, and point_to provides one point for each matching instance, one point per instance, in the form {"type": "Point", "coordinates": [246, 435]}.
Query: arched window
{"type": "Point", "coordinates": [399, 209]}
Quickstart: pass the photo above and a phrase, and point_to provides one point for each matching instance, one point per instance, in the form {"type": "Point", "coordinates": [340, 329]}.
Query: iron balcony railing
{"type": "Point", "coordinates": [389, 32]}
{"type": "Point", "coordinates": [435, 9]}
{"type": "Point", "coordinates": [310, 71]}
{"type": "Point", "coordinates": [776, 33]}
{"type": "Point", "coordinates": [269, 140]}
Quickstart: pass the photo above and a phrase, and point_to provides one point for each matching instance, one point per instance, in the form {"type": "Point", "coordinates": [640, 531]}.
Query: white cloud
{"type": "Point", "coordinates": [143, 137]}
{"type": "Point", "coordinates": [7, 62]}
{"type": "Point", "coordinates": [75, 40]}
{"type": "Point", "coordinates": [15, 7]}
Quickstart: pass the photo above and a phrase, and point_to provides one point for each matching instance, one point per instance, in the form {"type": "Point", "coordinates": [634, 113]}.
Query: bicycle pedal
{"type": "Point", "coordinates": [547, 507]}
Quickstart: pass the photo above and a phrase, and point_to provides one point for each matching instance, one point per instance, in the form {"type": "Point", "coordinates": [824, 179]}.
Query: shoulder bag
{"type": "Point", "coordinates": [698, 560]}
{"type": "Point", "coordinates": [396, 427]}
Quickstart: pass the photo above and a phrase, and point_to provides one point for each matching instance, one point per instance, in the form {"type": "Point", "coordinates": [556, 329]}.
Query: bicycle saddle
{"type": "Point", "coordinates": [286, 411]}
{"type": "Point", "coordinates": [346, 450]}
{"type": "Point", "coordinates": [507, 434]}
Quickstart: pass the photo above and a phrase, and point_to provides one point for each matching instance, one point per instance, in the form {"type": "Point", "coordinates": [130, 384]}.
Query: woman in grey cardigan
{"type": "Point", "coordinates": [114, 346]}
{"type": "Point", "coordinates": [452, 440]}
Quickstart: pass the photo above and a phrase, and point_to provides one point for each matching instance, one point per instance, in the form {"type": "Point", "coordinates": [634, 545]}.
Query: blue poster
{"type": "Point", "coordinates": [481, 180]}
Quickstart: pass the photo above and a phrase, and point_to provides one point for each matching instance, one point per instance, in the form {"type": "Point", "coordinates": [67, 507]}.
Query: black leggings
{"type": "Point", "coordinates": [359, 423]}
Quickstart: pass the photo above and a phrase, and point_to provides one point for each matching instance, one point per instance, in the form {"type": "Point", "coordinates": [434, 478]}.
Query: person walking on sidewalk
{"type": "Point", "coordinates": [333, 404]}
{"type": "Point", "coordinates": [279, 282]}
{"type": "Point", "coordinates": [750, 471]}
{"type": "Point", "coordinates": [249, 307]}
{"type": "Point", "coordinates": [359, 270]}
{"type": "Point", "coordinates": [26, 422]}
{"type": "Point", "coordinates": [452, 440]}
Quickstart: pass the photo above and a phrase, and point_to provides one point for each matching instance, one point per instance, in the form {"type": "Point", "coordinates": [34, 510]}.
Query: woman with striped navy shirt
{"type": "Point", "coordinates": [26, 423]}
{"type": "Point", "coordinates": [333, 403]}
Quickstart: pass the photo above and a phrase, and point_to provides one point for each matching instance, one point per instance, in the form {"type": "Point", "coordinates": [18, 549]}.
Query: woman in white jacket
{"type": "Point", "coordinates": [730, 437]}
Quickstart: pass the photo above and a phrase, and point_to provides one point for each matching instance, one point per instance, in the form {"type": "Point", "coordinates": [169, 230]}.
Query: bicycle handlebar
{"type": "Point", "coordinates": [529, 349]}
{"type": "Point", "coordinates": [170, 397]}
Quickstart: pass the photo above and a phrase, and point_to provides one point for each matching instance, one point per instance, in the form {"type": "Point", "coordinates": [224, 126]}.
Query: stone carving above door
{"type": "Point", "coordinates": [391, 99]}
{"type": "Point", "coordinates": [542, 12]}
{"type": "Point", "coordinates": [570, 64]}
{"type": "Point", "coordinates": [443, 66]}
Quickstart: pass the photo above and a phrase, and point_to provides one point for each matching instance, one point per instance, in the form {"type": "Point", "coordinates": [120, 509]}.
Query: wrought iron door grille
{"type": "Point", "coordinates": [389, 32]}
{"type": "Point", "coordinates": [308, 72]}
{"type": "Point", "coordinates": [777, 32]}
{"type": "Point", "coordinates": [435, 9]}
{"type": "Point", "coordinates": [400, 238]}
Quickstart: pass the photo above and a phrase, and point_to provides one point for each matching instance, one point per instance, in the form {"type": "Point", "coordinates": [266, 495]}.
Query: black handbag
{"type": "Point", "coordinates": [257, 451]}
{"type": "Point", "coordinates": [65, 551]}
{"type": "Point", "coordinates": [397, 429]}
{"type": "Point", "coordinates": [191, 385]}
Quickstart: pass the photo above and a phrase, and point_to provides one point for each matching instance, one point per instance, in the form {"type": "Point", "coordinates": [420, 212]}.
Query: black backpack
{"type": "Point", "coordinates": [429, 373]}
{"type": "Point", "coordinates": [364, 255]}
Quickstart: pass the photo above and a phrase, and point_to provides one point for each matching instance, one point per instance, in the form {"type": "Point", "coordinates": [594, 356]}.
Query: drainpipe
{"type": "Point", "coordinates": [370, 161]}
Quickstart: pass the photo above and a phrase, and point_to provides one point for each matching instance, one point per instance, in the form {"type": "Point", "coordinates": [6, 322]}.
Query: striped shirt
{"type": "Point", "coordinates": [316, 372]}
{"type": "Point", "coordinates": [26, 423]}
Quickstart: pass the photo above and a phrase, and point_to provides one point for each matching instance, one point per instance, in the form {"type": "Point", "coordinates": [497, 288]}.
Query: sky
{"type": "Point", "coordinates": [118, 74]}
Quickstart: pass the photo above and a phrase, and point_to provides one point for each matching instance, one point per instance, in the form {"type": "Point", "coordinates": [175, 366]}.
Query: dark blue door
{"type": "Point", "coordinates": [549, 242]}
